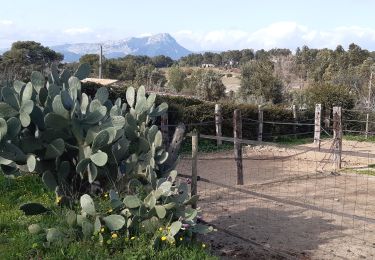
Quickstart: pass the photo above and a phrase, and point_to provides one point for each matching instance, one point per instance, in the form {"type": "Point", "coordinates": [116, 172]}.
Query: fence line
{"type": "Point", "coordinates": [273, 178]}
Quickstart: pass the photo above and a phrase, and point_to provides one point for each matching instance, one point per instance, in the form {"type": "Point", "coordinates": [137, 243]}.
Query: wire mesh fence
{"type": "Point", "coordinates": [292, 201]}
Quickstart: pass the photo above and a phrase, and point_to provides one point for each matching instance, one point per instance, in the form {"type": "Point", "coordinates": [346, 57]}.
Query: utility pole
{"type": "Point", "coordinates": [368, 104]}
{"type": "Point", "coordinates": [100, 61]}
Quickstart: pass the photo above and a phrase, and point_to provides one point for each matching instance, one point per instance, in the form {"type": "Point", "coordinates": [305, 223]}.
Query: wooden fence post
{"type": "Point", "coordinates": [164, 129]}
{"type": "Point", "coordinates": [174, 148]}
{"type": "Point", "coordinates": [194, 166]}
{"type": "Point", "coordinates": [367, 126]}
{"type": "Point", "coordinates": [337, 136]}
{"type": "Point", "coordinates": [218, 122]}
{"type": "Point", "coordinates": [260, 125]}
{"type": "Point", "coordinates": [295, 120]}
{"type": "Point", "coordinates": [318, 116]}
{"type": "Point", "coordinates": [327, 119]}
{"type": "Point", "coordinates": [368, 104]}
{"type": "Point", "coordinates": [237, 134]}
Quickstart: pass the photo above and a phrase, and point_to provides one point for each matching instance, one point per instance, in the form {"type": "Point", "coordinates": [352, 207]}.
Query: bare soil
{"type": "Point", "coordinates": [293, 204]}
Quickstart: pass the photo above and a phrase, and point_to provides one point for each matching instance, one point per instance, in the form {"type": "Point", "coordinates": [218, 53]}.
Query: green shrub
{"type": "Point", "coordinates": [210, 87]}
{"type": "Point", "coordinates": [17, 243]}
{"type": "Point", "coordinates": [80, 145]}
{"type": "Point", "coordinates": [329, 95]}
{"type": "Point", "coordinates": [194, 111]}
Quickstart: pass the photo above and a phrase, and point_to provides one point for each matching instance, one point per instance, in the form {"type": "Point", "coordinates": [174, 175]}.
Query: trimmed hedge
{"type": "Point", "coordinates": [193, 112]}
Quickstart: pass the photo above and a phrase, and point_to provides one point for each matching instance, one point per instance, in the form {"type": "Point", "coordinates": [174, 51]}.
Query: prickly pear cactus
{"type": "Point", "coordinates": [53, 129]}
{"type": "Point", "coordinates": [76, 143]}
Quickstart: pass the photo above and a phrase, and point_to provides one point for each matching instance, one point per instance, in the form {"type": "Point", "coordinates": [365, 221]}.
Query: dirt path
{"type": "Point", "coordinates": [292, 202]}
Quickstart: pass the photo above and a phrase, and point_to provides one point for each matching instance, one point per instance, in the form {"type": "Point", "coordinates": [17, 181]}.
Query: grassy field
{"type": "Point", "coordinates": [17, 243]}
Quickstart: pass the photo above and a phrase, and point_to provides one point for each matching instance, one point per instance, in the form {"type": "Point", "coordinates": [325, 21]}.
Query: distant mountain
{"type": "Point", "coordinates": [158, 44]}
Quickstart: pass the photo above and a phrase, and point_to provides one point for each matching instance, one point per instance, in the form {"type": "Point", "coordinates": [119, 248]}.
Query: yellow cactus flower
{"type": "Point", "coordinates": [204, 245]}
{"type": "Point", "coordinates": [58, 199]}
{"type": "Point", "coordinates": [132, 238]}
{"type": "Point", "coordinates": [114, 236]}
{"type": "Point", "coordinates": [106, 195]}
{"type": "Point", "coordinates": [163, 238]}
{"type": "Point", "coordinates": [181, 238]}
{"type": "Point", "coordinates": [110, 210]}
{"type": "Point", "coordinates": [102, 230]}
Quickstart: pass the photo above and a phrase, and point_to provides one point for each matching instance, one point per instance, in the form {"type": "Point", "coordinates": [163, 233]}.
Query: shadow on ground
{"type": "Point", "coordinates": [274, 234]}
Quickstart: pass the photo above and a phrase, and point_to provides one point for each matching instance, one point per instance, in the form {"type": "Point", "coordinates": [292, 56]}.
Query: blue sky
{"type": "Point", "coordinates": [197, 25]}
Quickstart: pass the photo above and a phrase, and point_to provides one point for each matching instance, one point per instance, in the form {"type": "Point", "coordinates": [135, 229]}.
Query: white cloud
{"type": "Point", "coordinates": [77, 31]}
{"type": "Point", "coordinates": [281, 35]}
{"type": "Point", "coordinates": [144, 34]}
{"type": "Point", "coordinates": [6, 22]}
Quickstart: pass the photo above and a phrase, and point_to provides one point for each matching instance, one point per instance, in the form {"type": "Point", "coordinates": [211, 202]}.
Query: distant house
{"type": "Point", "coordinates": [208, 65]}
{"type": "Point", "coordinates": [103, 82]}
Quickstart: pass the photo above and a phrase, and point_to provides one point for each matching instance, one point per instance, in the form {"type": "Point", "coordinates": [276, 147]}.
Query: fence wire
{"type": "Point", "coordinates": [293, 203]}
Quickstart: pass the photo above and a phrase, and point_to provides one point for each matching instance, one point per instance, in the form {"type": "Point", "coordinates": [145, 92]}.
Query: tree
{"type": "Point", "coordinates": [258, 80]}
{"type": "Point", "coordinates": [191, 60]}
{"type": "Point", "coordinates": [329, 95]}
{"type": "Point", "coordinates": [26, 56]}
{"type": "Point", "coordinates": [217, 59]}
{"type": "Point", "coordinates": [128, 69]}
{"type": "Point", "coordinates": [246, 56]}
{"type": "Point", "coordinates": [93, 60]}
{"type": "Point", "coordinates": [233, 55]}
{"type": "Point", "coordinates": [279, 52]}
{"type": "Point", "coordinates": [112, 69]}
{"type": "Point", "coordinates": [261, 54]}
{"type": "Point", "coordinates": [194, 79]}
{"type": "Point", "coordinates": [157, 79]}
{"type": "Point", "coordinates": [356, 55]}
{"type": "Point", "coordinates": [177, 78]}
{"type": "Point", "coordinates": [210, 87]}
{"type": "Point", "coordinates": [161, 61]}
{"type": "Point", "coordinates": [143, 75]}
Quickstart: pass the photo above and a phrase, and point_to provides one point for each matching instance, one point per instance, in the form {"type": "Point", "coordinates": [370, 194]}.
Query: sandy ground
{"type": "Point", "coordinates": [293, 203]}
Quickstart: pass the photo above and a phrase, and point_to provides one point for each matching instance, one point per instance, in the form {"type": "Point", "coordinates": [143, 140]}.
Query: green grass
{"type": "Point", "coordinates": [293, 141]}
{"type": "Point", "coordinates": [17, 243]}
{"type": "Point", "coordinates": [370, 170]}
{"type": "Point", "coordinates": [359, 138]}
{"type": "Point", "coordinates": [210, 146]}
{"type": "Point", "coordinates": [205, 146]}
